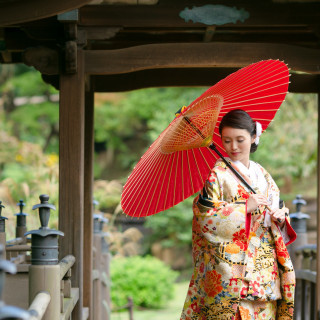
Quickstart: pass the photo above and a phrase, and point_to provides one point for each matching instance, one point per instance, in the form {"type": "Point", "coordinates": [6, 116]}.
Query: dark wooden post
{"type": "Point", "coordinates": [88, 202]}
{"type": "Point", "coordinates": [318, 218]}
{"type": "Point", "coordinates": [71, 175]}
{"type": "Point", "coordinates": [97, 282]}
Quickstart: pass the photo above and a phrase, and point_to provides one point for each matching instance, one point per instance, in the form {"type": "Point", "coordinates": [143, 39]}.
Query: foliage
{"type": "Point", "coordinates": [288, 148]}
{"type": "Point", "coordinates": [42, 117]}
{"type": "Point", "coordinates": [171, 311]}
{"type": "Point", "coordinates": [25, 174]}
{"type": "Point", "coordinates": [25, 170]}
{"type": "Point", "coordinates": [32, 122]}
{"type": "Point", "coordinates": [146, 279]}
{"type": "Point", "coordinates": [173, 226]}
{"type": "Point", "coordinates": [28, 83]}
{"type": "Point", "coordinates": [124, 244]}
{"type": "Point", "coordinates": [108, 194]}
{"type": "Point", "coordinates": [138, 117]}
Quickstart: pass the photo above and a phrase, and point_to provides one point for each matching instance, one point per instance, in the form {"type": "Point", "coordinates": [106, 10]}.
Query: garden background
{"type": "Point", "coordinates": [152, 261]}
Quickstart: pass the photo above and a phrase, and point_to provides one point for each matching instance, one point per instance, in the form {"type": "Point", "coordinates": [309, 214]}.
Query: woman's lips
{"type": "Point", "coordinates": [235, 153]}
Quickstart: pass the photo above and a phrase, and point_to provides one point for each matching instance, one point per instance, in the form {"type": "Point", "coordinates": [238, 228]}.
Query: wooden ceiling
{"type": "Point", "coordinates": [132, 46]}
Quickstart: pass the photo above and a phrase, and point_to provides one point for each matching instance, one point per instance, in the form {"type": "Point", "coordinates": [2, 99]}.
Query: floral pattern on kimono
{"type": "Point", "coordinates": [236, 258]}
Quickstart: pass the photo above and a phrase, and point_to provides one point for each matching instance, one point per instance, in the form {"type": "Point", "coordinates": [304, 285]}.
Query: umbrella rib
{"type": "Point", "coordinates": [165, 200]}
{"type": "Point", "coordinates": [175, 178]}
{"type": "Point", "coordinates": [188, 152]}
{"type": "Point", "coordinates": [261, 119]}
{"type": "Point", "coordinates": [255, 110]}
{"type": "Point", "coordinates": [264, 71]}
{"type": "Point", "coordinates": [139, 182]}
{"type": "Point", "coordinates": [253, 99]}
{"type": "Point", "coordinates": [182, 175]}
{"type": "Point", "coordinates": [222, 149]}
{"type": "Point", "coordinates": [204, 159]}
{"type": "Point", "coordinates": [162, 185]}
{"type": "Point", "coordinates": [197, 166]}
{"type": "Point", "coordinates": [146, 159]}
{"type": "Point", "coordinates": [143, 195]}
{"type": "Point", "coordinates": [254, 86]}
{"type": "Point", "coordinates": [250, 77]}
{"type": "Point", "coordinates": [252, 104]}
{"type": "Point", "coordinates": [211, 151]}
{"type": "Point", "coordinates": [230, 101]}
{"type": "Point", "coordinates": [249, 73]}
{"type": "Point", "coordinates": [155, 188]}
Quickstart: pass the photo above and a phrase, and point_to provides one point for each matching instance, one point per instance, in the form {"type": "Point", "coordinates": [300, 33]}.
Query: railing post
{"type": "Point", "coordinates": [8, 312]}
{"type": "Point", "coordinates": [97, 273]}
{"type": "Point", "coordinates": [21, 228]}
{"type": "Point", "coordinates": [44, 272]}
{"type": "Point", "coordinates": [2, 226]}
{"type": "Point", "coordinates": [299, 224]}
{"type": "Point", "coordinates": [105, 280]}
{"type": "Point", "coordinates": [101, 283]}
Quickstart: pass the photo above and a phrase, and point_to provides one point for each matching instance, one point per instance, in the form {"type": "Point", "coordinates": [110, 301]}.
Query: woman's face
{"type": "Point", "coordinates": [237, 143]}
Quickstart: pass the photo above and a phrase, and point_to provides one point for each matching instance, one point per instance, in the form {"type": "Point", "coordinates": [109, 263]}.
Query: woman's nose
{"type": "Point", "coordinates": [233, 145]}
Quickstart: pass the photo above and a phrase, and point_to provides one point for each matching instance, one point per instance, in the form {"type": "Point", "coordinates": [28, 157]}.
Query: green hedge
{"type": "Point", "coordinates": [146, 279]}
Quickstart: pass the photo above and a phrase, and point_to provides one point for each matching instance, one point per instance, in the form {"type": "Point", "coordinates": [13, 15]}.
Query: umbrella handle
{"type": "Point", "coordinates": [214, 148]}
{"type": "Point", "coordinates": [278, 219]}
{"type": "Point", "coordinates": [268, 208]}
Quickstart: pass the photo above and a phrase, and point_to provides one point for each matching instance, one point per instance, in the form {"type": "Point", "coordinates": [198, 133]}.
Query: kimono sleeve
{"type": "Point", "coordinates": [287, 232]}
{"type": "Point", "coordinates": [212, 211]}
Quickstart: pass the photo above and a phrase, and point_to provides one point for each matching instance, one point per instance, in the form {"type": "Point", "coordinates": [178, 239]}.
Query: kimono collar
{"type": "Point", "coordinates": [242, 169]}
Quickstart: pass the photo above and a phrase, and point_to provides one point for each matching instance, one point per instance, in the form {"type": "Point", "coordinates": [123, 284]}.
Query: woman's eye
{"type": "Point", "coordinates": [226, 141]}
{"type": "Point", "coordinates": [240, 141]}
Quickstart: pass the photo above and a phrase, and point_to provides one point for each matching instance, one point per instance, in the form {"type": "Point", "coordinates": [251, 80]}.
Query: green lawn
{"type": "Point", "coordinates": [171, 312]}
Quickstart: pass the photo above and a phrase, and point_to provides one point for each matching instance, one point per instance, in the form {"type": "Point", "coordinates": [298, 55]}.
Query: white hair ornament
{"type": "Point", "coordinates": [258, 132]}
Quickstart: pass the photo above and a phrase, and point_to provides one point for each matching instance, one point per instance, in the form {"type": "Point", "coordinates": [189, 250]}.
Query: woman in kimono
{"type": "Point", "coordinates": [242, 269]}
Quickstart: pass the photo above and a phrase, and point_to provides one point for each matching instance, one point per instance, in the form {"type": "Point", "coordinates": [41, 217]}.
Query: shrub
{"type": "Point", "coordinates": [146, 279]}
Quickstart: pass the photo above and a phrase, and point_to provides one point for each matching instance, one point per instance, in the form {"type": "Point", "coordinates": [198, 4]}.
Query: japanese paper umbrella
{"type": "Point", "coordinates": [177, 164]}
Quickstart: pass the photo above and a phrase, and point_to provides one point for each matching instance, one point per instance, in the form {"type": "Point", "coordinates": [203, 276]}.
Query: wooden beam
{"type": "Point", "coordinates": [19, 11]}
{"type": "Point", "coordinates": [71, 173]}
{"type": "Point", "coordinates": [190, 77]}
{"type": "Point", "coordinates": [198, 55]}
{"type": "Point", "coordinates": [266, 13]}
{"type": "Point", "coordinates": [304, 83]}
{"type": "Point", "coordinates": [299, 83]}
{"type": "Point", "coordinates": [43, 59]}
{"type": "Point", "coordinates": [88, 202]}
{"type": "Point", "coordinates": [187, 77]}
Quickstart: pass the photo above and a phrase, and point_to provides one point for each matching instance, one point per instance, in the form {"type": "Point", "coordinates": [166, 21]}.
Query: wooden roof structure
{"type": "Point", "coordinates": [83, 46]}
{"type": "Point", "coordinates": [145, 42]}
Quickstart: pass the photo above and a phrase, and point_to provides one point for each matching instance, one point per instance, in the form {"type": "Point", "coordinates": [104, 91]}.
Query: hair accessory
{"type": "Point", "coordinates": [258, 132]}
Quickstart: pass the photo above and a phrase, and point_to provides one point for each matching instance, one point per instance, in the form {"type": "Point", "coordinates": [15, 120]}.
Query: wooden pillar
{"type": "Point", "coordinates": [88, 205]}
{"type": "Point", "coordinates": [318, 217]}
{"type": "Point", "coordinates": [71, 173]}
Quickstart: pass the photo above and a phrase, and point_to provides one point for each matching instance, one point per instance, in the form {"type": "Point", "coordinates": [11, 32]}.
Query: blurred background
{"type": "Point", "coordinates": [153, 252]}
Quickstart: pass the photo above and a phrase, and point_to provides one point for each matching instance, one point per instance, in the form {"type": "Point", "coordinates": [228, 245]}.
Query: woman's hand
{"type": "Point", "coordinates": [256, 200]}
{"type": "Point", "coordinates": [279, 216]}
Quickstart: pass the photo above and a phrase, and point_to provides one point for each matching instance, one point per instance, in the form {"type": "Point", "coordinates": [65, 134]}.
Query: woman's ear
{"type": "Point", "coordinates": [253, 138]}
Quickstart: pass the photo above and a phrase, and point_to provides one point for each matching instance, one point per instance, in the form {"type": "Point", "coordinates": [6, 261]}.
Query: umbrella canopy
{"type": "Point", "coordinates": [177, 164]}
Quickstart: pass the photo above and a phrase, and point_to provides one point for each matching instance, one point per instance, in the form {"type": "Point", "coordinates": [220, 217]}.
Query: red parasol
{"type": "Point", "coordinates": [177, 164]}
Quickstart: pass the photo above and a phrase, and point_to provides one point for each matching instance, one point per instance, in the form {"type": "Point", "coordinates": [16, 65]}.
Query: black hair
{"type": "Point", "coordinates": [239, 119]}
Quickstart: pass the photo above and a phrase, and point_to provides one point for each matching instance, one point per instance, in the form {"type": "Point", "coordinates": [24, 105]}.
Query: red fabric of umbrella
{"type": "Point", "coordinates": [177, 164]}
